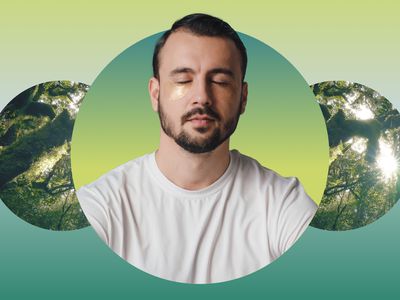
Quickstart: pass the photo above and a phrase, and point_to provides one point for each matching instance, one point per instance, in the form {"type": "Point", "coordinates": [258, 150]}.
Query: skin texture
{"type": "Point", "coordinates": [178, 92]}
{"type": "Point", "coordinates": [199, 97]}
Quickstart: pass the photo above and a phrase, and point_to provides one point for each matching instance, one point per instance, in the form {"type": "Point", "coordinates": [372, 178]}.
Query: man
{"type": "Point", "coordinates": [193, 211]}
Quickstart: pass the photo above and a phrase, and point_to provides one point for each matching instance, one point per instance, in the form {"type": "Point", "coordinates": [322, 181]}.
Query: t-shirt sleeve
{"type": "Point", "coordinates": [296, 212]}
{"type": "Point", "coordinates": [94, 207]}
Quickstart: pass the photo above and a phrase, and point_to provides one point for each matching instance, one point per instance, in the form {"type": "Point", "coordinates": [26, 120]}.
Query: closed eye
{"type": "Point", "coordinates": [220, 82]}
{"type": "Point", "coordinates": [183, 81]}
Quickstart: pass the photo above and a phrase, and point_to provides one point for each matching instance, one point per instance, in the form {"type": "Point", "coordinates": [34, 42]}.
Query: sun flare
{"type": "Point", "coordinates": [386, 161]}
{"type": "Point", "coordinates": [363, 113]}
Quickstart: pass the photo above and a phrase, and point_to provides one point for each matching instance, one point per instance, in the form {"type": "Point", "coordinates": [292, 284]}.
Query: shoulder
{"type": "Point", "coordinates": [276, 188]}
{"type": "Point", "coordinates": [102, 200]}
{"type": "Point", "coordinates": [288, 208]}
{"type": "Point", "coordinates": [108, 186]}
{"type": "Point", "coordinates": [251, 169]}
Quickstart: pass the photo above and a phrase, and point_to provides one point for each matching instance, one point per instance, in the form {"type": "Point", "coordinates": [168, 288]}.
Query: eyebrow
{"type": "Point", "coordinates": [180, 71]}
{"type": "Point", "coordinates": [222, 71]}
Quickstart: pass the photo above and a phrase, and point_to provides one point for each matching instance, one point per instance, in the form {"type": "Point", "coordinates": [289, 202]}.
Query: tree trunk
{"type": "Point", "coordinates": [19, 156]}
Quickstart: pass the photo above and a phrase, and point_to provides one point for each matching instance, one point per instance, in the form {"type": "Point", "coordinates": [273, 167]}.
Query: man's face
{"type": "Point", "coordinates": [199, 95]}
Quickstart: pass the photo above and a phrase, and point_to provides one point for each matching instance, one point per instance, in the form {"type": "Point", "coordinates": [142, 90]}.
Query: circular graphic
{"type": "Point", "coordinates": [35, 170]}
{"type": "Point", "coordinates": [282, 126]}
{"type": "Point", "coordinates": [363, 181]}
{"type": "Point", "coordinates": [116, 124]}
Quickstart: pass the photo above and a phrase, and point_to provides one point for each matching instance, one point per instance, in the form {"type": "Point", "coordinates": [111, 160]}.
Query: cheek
{"type": "Point", "coordinates": [226, 93]}
{"type": "Point", "coordinates": [228, 102]}
{"type": "Point", "coordinates": [178, 92]}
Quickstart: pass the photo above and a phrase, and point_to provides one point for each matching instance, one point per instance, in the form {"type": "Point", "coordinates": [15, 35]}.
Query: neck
{"type": "Point", "coordinates": [188, 170]}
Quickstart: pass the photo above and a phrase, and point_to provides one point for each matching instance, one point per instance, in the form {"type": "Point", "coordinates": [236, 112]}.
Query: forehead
{"type": "Point", "coordinates": [200, 53]}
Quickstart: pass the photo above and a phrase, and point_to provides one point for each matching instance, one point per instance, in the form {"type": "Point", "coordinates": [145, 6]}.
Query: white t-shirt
{"type": "Point", "coordinates": [242, 222]}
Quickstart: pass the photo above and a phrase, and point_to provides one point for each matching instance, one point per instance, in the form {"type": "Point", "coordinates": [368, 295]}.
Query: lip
{"type": "Point", "coordinates": [200, 121]}
{"type": "Point", "coordinates": [200, 118]}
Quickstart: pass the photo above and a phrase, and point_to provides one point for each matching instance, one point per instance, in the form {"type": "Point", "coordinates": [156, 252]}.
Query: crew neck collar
{"type": "Point", "coordinates": [171, 187]}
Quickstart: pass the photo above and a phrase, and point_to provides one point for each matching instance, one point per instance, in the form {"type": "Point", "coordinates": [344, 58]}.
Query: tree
{"type": "Point", "coordinates": [35, 169]}
{"type": "Point", "coordinates": [363, 130]}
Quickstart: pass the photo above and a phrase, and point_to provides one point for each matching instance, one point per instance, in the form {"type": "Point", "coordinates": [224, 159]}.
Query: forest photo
{"type": "Point", "coordinates": [35, 169]}
{"type": "Point", "coordinates": [363, 180]}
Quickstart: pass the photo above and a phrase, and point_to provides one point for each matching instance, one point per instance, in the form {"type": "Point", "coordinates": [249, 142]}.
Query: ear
{"type": "Point", "coordinates": [244, 97]}
{"type": "Point", "coordinates": [154, 91]}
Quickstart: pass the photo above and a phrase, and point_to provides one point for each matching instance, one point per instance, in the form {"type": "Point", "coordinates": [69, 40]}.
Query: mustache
{"type": "Point", "coordinates": [200, 111]}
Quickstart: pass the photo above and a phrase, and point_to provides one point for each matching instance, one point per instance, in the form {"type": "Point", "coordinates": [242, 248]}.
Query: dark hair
{"type": "Point", "coordinates": [202, 25]}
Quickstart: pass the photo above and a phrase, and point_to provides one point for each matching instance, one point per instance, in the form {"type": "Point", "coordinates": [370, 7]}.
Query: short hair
{"type": "Point", "coordinates": [201, 25]}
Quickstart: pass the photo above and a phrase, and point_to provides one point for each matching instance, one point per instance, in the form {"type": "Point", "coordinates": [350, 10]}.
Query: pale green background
{"type": "Point", "coordinates": [325, 40]}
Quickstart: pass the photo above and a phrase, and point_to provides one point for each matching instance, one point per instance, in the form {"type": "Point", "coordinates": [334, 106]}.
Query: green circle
{"type": "Point", "coordinates": [363, 178]}
{"type": "Point", "coordinates": [282, 127]}
{"type": "Point", "coordinates": [35, 169]}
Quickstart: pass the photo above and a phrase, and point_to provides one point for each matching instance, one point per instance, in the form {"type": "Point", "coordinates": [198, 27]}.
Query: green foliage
{"type": "Point", "coordinates": [35, 169]}
{"type": "Point", "coordinates": [363, 183]}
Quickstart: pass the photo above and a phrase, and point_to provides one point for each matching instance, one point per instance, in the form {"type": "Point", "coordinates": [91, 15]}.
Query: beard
{"type": "Point", "coordinates": [191, 144]}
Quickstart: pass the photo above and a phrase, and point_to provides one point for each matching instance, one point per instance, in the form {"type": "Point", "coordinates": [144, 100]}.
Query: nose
{"type": "Point", "coordinates": [201, 94]}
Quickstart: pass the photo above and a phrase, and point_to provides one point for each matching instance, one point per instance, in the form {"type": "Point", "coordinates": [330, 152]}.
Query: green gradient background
{"type": "Point", "coordinates": [340, 40]}
{"type": "Point", "coordinates": [282, 127]}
